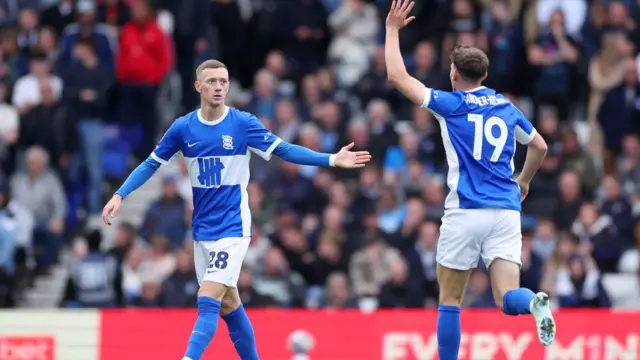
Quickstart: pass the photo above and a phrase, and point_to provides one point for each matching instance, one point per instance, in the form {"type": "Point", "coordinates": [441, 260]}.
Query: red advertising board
{"type": "Point", "coordinates": [384, 335]}
{"type": "Point", "coordinates": [27, 348]}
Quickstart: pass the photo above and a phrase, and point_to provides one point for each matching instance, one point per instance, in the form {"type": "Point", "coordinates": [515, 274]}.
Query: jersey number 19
{"type": "Point", "coordinates": [484, 130]}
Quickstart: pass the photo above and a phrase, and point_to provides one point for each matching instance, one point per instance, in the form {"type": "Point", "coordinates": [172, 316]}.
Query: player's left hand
{"type": "Point", "coordinates": [348, 159]}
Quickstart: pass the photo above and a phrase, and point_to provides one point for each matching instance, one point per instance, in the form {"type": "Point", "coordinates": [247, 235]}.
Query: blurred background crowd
{"type": "Point", "coordinates": [88, 87]}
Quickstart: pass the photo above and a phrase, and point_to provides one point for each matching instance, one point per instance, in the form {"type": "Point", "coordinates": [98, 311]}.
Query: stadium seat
{"type": "Point", "coordinates": [623, 289]}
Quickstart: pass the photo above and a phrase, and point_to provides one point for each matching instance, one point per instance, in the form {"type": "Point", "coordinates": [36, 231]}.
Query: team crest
{"type": "Point", "coordinates": [227, 142]}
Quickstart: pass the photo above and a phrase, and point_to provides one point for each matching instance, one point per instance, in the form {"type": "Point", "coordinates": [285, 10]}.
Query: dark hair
{"type": "Point", "coordinates": [37, 55]}
{"type": "Point", "coordinates": [88, 42]}
{"type": "Point", "coordinates": [472, 63]}
{"type": "Point", "coordinates": [94, 240]}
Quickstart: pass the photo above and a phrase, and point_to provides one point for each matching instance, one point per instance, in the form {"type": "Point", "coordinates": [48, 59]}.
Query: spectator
{"type": "Point", "coordinates": [250, 297]}
{"type": "Point", "coordinates": [478, 294]}
{"type": "Point", "coordinates": [86, 27]}
{"type": "Point", "coordinates": [18, 221]}
{"type": "Point", "coordinates": [618, 208]}
{"type": "Point", "coordinates": [338, 293]}
{"type": "Point", "coordinates": [600, 236]}
{"type": "Point", "coordinates": [628, 165]}
{"type": "Point", "coordinates": [59, 15]}
{"type": "Point", "coordinates": [304, 34]}
{"type": "Point", "coordinates": [113, 13]}
{"type": "Point", "coordinates": [133, 270]}
{"type": "Point", "coordinates": [630, 260]}
{"type": "Point", "coordinates": [6, 269]}
{"type": "Point", "coordinates": [532, 265]}
{"type": "Point", "coordinates": [576, 159]}
{"type": "Point", "coordinates": [166, 217]}
{"type": "Point", "coordinates": [288, 124]}
{"type": "Point", "coordinates": [27, 28]}
{"type": "Point", "coordinates": [92, 279]}
{"type": "Point", "coordinates": [258, 248]}
{"type": "Point", "coordinates": [355, 26]}
{"type": "Point", "coordinates": [36, 186]}
{"type": "Point", "coordinates": [505, 43]}
{"type": "Point", "coordinates": [421, 260]}
{"type": "Point", "coordinates": [370, 267]}
{"type": "Point", "coordinates": [143, 61]}
{"type": "Point", "coordinates": [85, 93]}
{"type": "Point", "coordinates": [9, 129]}
{"type": "Point", "coordinates": [191, 26]}
{"type": "Point", "coordinates": [617, 109]}
{"type": "Point", "coordinates": [277, 281]}
{"type": "Point", "coordinates": [580, 285]}
{"type": "Point", "coordinates": [180, 289]}
{"type": "Point", "coordinates": [406, 236]}
{"type": "Point", "coordinates": [554, 53]}
{"type": "Point", "coordinates": [398, 291]}
{"type": "Point", "coordinates": [27, 92]}
{"type": "Point", "coordinates": [570, 202]}
{"type": "Point", "coordinates": [545, 239]}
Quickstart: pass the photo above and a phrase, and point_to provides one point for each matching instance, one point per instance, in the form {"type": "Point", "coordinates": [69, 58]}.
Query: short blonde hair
{"type": "Point", "coordinates": [210, 64]}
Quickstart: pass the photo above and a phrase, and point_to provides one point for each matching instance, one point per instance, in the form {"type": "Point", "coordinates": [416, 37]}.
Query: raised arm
{"type": "Point", "coordinates": [397, 73]}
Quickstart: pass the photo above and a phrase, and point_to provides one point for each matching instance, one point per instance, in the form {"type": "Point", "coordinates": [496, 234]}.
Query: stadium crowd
{"type": "Point", "coordinates": [313, 71]}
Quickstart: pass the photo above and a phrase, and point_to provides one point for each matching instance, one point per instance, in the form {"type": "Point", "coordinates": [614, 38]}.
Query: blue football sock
{"type": "Point", "coordinates": [448, 332]}
{"type": "Point", "coordinates": [205, 327]}
{"type": "Point", "coordinates": [516, 301]}
{"type": "Point", "coordinates": [241, 333]}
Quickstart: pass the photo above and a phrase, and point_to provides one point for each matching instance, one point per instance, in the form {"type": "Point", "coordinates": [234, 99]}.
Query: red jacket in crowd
{"type": "Point", "coordinates": [144, 56]}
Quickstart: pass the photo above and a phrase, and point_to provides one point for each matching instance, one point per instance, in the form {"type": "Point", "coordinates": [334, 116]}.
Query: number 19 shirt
{"type": "Point", "coordinates": [479, 131]}
{"type": "Point", "coordinates": [217, 155]}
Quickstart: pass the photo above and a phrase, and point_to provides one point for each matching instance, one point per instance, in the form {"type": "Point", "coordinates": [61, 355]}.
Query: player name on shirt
{"type": "Point", "coordinates": [484, 100]}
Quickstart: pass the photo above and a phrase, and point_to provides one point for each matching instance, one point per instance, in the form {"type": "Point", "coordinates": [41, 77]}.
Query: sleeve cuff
{"type": "Point", "coordinates": [332, 160]}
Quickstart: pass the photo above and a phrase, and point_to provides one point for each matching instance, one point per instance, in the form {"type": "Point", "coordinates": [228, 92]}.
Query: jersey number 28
{"type": "Point", "coordinates": [484, 130]}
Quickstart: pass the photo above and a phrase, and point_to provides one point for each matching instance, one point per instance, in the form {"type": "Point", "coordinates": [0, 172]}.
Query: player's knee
{"type": "Point", "coordinates": [212, 290]}
{"type": "Point", "coordinates": [230, 302]}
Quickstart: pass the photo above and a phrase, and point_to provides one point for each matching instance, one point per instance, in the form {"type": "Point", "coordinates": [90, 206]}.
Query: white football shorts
{"type": "Point", "coordinates": [467, 234]}
{"type": "Point", "coordinates": [220, 261]}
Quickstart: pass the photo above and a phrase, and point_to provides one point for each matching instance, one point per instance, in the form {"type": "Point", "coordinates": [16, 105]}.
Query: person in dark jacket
{"type": "Point", "coordinates": [180, 289]}
{"type": "Point", "coordinates": [85, 94]}
{"type": "Point", "coordinates": [581, 285]}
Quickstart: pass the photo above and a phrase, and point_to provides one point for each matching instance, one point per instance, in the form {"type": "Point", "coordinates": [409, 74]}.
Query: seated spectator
{"type": "Point", "coordinates": [392, 211]}
{"type": "Point", "coordinates": [545, 238]}
{"type": "Point", "coordinates": [36, 186]}
{"type": "Point", "coordinates": [400, 291]}
{"type": "Point", "coordinates": [249, 296]}
{"type": "Point", "coordinates": [9, 131]}
{"type": "Point", "coordinates": [92, 277]}
{"type": "Point", "coordinates": [618, 207]}
{"type": "Point", "coordinates": [113, 13]}
{"type": "Point", "coordinates": [133, 270]}
{"type": "Point", "coordinates": [26, 93]}
{"type": "Point", "coordinates": [532, 265]}
{"type": "Point", "coordinates": [598, 232]}
{"type": "Point", "coordinates": [630, 260]}
{"type": "Point", "coordinates": [265, 97]}
{"type": "Point", "coordinates": [370, 267]}
{"type": "Point", "coordinates": [258, 248]}
{"type": "Point", "coordinates": [558, 261]}
{"type": "Point", "coordinates": [338, 293]}
{"type": "Point", "coordinates": [181, 288]}
{"type": "Point", "coordinates": [166, 217]}
{"type": "Point", "coordinates": [628, 165]}
{"type": "Point", "coordinates": [27, 28]}
{"type": "Point", "coordinates": [421, 260]}
{"type": "Point", "coordinates": [478, 294]}
{"type": "Point", "coordinates": [580, 284]}
{"type": "Point", "coordinates": [160, 262]}
{"type": "Point", "coordinates": [7, 246]}
{"type": "Point", "coordinates": [18, 221]}
{"type": "Point", "coordinates": [576, 159]}
{"type": "Point", "coordinates": [276, 280]}
{"type": "Point", "coordinates": [149, 295]}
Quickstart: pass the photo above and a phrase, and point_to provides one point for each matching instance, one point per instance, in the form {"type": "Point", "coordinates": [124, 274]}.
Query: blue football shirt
{"type": "Point", "coordinates": [217, 155]}
{"type": "Point", "coordinates": [479, 131]}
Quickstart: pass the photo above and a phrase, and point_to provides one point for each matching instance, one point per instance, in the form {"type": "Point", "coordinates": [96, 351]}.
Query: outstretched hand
{"type": "Point", "coordinates": [399, 14]}
{"type": "Point", "coordinates": [348, 159]}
